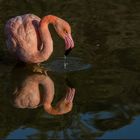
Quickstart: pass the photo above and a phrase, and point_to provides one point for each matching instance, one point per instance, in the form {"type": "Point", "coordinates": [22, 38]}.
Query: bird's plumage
{"type": "Point", "coordinates": [28, 37]}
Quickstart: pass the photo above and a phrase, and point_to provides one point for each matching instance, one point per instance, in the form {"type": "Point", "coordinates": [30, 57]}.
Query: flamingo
{"type": "Point", "coordinates": [28, 95]}
{"type": "Point", "coordinates": [28, 37]}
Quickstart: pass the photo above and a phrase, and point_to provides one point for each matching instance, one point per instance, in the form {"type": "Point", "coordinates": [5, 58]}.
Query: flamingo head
{"type": "Point", "coordinates": [64, 31]}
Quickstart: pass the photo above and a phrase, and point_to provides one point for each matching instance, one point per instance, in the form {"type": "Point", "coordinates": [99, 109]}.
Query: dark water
{"type": "Point", "coordinates": [106, 103]}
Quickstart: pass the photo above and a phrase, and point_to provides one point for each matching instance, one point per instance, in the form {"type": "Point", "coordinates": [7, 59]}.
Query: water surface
{"type": "Point", "coordinates": [106, 104]}
{"type": "Point", "coordinates": [66, 64]}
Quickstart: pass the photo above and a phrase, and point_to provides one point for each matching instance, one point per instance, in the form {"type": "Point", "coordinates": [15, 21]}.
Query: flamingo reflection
{"type": "Point", "coordinates": [38, 89]}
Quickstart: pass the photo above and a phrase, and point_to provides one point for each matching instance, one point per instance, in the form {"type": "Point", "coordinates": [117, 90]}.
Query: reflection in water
{"type": "Point", "coordinates": [98, 109]}
{"type": "Point", "coordinates": [38, 89]}
{"type": "Point", "coordinates": [106, 34]}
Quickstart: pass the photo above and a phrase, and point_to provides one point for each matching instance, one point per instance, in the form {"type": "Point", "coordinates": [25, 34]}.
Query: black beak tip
{"type": "Point", "coordinates": [67, 51]}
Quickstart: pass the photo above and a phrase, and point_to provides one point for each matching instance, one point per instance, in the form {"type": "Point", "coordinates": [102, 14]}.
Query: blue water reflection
{"type": "Point", "coordinates": [126, 132]}
{"type": "Point", "coordinates": [22, 133]}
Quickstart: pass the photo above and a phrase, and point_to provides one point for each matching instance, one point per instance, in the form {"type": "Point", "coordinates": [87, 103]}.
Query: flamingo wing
{"type": "Point", "coordinates": [22, 35]}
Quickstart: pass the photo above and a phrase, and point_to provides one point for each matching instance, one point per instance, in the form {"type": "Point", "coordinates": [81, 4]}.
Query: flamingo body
{"type": "Point", "coordinates": [27, 94]}
{"type": "Point", "coordinates": [22, 36]}
{"type": "Point", "coordinates": [28, 37]}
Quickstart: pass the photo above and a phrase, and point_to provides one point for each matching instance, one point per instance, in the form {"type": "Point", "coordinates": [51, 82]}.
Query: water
{"type": "Point", "coordinates": [66, 64]}
{"type": "Point", "coordinates": [106, 101]}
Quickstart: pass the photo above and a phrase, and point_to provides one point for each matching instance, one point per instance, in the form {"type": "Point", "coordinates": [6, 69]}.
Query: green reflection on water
{"type": "Point", "coordinates": [106, 35]}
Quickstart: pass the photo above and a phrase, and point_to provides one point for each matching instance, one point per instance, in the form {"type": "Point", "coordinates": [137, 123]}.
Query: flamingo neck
{"type": "Point", "coordinates": [48, 19]}
{"type": "Point", "coordinates": [49, 91]}
{"type": "Point", "coordinates": [46, 36]}
{"type": "Point", "coordinates": [48, 87]}
{"type": "Point", "coordinates": [52, 110]}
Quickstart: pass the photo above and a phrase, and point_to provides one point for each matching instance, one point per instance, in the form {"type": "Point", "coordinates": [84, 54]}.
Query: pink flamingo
{"type": "Point", "coordinates": [28, 95]}
{"type": "Point", "coordinates": [29, 39]}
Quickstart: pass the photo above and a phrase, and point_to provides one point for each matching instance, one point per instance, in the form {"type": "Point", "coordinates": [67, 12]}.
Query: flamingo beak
{"type": "Point", "coordinates": [69, 44]}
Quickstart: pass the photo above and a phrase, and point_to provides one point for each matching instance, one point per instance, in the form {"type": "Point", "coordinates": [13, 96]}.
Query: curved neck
{"type": "Point", "coordinates": [46, 38]}
{"type": "Point", "coordinates": [61, 107]}
{"type": "Point", "coordinates": [49, 91]}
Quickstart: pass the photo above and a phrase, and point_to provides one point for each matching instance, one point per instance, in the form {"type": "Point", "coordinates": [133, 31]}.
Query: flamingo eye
{"type": "Point", "coordinates": [65, 31]}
